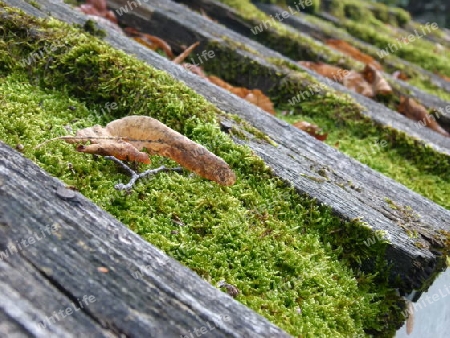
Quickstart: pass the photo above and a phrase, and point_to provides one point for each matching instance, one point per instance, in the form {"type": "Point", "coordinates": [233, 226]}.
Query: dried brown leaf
{"type": "Point", "coordinates": [254, 96]}
{"type": "Point", "coordinates": [119, 149]}
{"type": "Point", "coordinates": [332, 72]}
{"type": "Point", "coordinates": [353, 52]}
{"type": "Point", "coordinates": [311, 129]}
{"type": "Point", "coordinates": [150, 41]}
{"type": "Point", "coordinates": [415, 111]}
{"type": "Point", "coordinates": [180, 58]}
{"type": "Point", "coordinates": [374, 77]}
{"type": "Point", "coordinates": [356, 82]}
{"type": "Point", "coordinates": [143, 132]}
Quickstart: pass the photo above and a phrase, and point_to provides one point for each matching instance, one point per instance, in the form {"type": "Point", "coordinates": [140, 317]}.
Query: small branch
{"type": "Point", "coordinates": [135, 176]}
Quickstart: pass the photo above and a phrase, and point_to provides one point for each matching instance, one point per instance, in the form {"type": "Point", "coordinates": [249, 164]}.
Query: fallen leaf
{"type": "Point", "coordinates": [368, 83]}
{"type": "Point", "coordinates": [119, 149]}
{"type": "Point", "coordinates": [415, 111]}
{"type": "Point", "coordinates": [254, 96]}
{"type": "Point", "coordinates": [399, 75]}
{"type": "Point", "coordinates": [332, 72]}
{"type": "Point", "coordinates": [311, 129]}
{"type": "Point", "coordinates": [98, 8]}
{"type": "Point", "coordinates": [197, 70]}
{"type": "Point", "coordinates": [357, 83]}
{"type": "Point", "coordinates": [374, 77]}
{"type": "Point", "coordinates": [180, 58]}
{"type": "Point", "coordinates": [127, 136]}
{"type": "Point", "coordinates": [353, 52]}
{"type": "Point", "coordinates": [150, 41]}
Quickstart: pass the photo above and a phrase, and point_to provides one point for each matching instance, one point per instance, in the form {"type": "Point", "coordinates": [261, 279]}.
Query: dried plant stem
{"type": "Point", "coordinates": [135, 176]}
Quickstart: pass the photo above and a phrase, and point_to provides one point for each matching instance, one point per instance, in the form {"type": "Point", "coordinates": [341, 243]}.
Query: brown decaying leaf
{"type": "Point", "coordinates": [415, 111]}
{"type": "Point", "coordinates": [356, 82]}
{"type": "Point", "coordinates": [180, 58]}
{"type": "Point", "coordinates": [98, 8]}
{"type": "Point", "coordinates": [311, 129]}
{"type": "Point", "coordinates": [197, 70]}
{"type": "Point", "coordinates": [374, 77]}
{"type": "Point", "coordinates": [331, 72]}
{"type": "Point", "coordinates": [368, 83]}
{"type": "Point", "coordinates": [143, 132]}
{"type": "Point", "coordinates": [254, 96]}
{"type": "Point", "coordinates": [150, 41]}
{"type": "Point", "coordinates": [119, 149]}
{"type": "Point", "coordinates": [353, 52]}
{"type": "Point", "coordinates": [399, 75]}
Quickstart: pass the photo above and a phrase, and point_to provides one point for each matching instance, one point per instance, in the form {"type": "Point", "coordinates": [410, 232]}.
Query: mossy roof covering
{"type": "Point", "coordinates": [362, 25]}
{"type": "Point", "coordinates": [404, 159]}
{"type": "Point", "coordinates": [289, 257]}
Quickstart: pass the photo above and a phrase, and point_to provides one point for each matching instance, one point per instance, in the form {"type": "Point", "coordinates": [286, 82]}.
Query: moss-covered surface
{"type": "Point", "coordinates": [293, 261]}
{"type": "Point", "coordinates": [273, 34]}
{"type": "Point", "coordinates": [368, 12]}
{"type": "Point", "coordinates": [419, 51]}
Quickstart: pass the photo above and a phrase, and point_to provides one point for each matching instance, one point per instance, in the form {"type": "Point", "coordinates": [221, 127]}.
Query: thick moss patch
{"type": "Point", "coordinates": [290, 258]}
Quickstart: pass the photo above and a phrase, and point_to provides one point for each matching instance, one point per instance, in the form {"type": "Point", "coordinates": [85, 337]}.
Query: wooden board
{"type": "Point", "coordinates": [298, 158]}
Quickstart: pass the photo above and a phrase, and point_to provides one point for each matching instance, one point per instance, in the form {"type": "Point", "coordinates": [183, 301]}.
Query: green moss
{"type": "Point", "coordinates": [418, 51]}
{"type": "Point", "coordinates": [309, 6]}
{"type": "Point", "coordinates": [289, 257]}
{"type": "Point", "coordinates": [91, 27]}
{"type": "Point", "coordinates": [368, 12]}
{"type": "Point", "coordinates": [274, 34]}
{"type": "Point", "coordinates": [34, 4]}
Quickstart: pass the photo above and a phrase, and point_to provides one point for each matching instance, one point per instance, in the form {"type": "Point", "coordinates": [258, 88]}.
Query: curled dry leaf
{"type": "Point", "coordinates": [98, 8]}
{"type": "Point", "coordinates": [331, 72]}
{"type": "Point", "coordinates": [180, 58]}
{"type": "Point", "coordinates": [353, 52]}
{"type": "Point", "coordinates": [356, 82]}
{"type": "Point", "coordinates": [119, 149]}
{"type": "Point", "coordinates": [150, 41]}
{"type": "Point", "coordinates": [124, 138]}
{"type": "Point", "coordinates": [399, 75]}
{"type": "Point", "coordinates": [374, 77]}
{"type": "Point", "coordinates": [254, 96]}
{"type": "Point", "coordinates": [311, 129]}
{"type": "Point", "coordinates": [415, 111]}
{"type": "Point", "coordinates": [368, 83]}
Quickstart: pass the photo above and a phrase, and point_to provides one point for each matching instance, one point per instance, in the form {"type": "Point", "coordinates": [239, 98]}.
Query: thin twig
{"type": "Point", "coordinates": [135, 176]}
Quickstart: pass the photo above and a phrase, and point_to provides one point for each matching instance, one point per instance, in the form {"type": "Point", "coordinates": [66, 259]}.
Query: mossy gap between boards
{"type": "Point", "coordinates": [296, 237]}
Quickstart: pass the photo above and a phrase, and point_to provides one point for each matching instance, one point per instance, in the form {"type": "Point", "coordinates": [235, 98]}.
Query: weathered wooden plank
{"type": "Point", "coordinates": [54, 250]}
{"type": "Point", "coordinates": [312, 167]}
